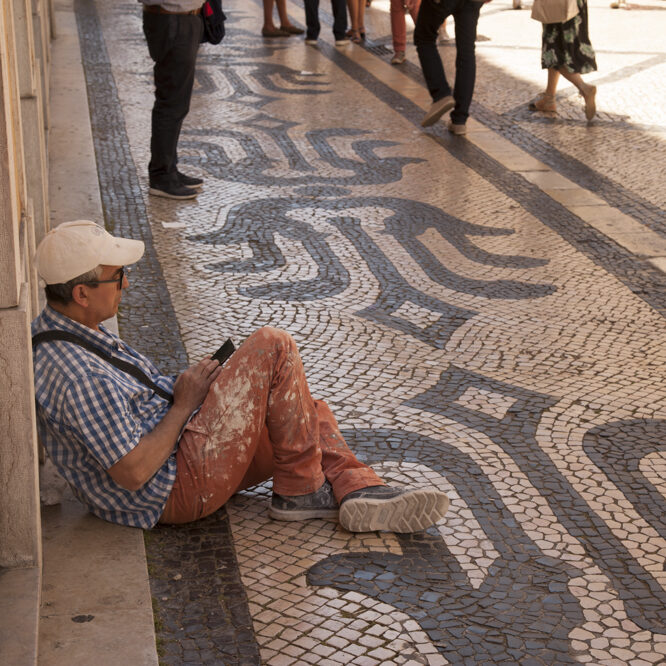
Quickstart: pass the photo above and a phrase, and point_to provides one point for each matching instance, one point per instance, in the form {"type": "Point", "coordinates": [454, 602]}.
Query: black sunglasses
{"type": "Point", "coordinates": [119, 279]}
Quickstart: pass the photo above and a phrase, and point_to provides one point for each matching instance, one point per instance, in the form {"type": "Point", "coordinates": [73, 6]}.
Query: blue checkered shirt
{"type": "Point", "coordinates": [90, 414]}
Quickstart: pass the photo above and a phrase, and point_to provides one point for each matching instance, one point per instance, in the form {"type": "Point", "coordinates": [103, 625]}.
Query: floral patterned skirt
{"type": "Point", "coordinates": [568, 44]}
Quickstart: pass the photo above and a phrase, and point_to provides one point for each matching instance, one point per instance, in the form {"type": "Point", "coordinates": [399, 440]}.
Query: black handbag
{"type": "Point", "coordinates": [213, 21]}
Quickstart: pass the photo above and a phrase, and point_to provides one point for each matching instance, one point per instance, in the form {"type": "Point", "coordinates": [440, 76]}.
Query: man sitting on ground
{"type": "Point", "coordinates": [173, 449]}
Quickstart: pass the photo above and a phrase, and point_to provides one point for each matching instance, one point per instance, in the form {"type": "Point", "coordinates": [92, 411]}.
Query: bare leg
{"type": "Point", "coordinates": [577, 80]}
{"type": "Point", "coordinates": [553, 78]}
{"type": "Point", "coordinates": [546, 100]}
{"type": "Point", "coordinates": [353, 17]}
{"type": "Point", "coordinates": [268, 15]}
{"type": "Point", "coordinates": [360, 18]}
{"type": "Point", "coordinates": [587, 91]}
{"type": "Point", "coordinates": [282, 13]}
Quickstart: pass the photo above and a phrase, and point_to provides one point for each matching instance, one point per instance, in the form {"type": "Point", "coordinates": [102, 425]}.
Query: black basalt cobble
{"type": "Point", "coordinates": [297, 232]}
{"type": "Point", "coordinates": [200, 603]}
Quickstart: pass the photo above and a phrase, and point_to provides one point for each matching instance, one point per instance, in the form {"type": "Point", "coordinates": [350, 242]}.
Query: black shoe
{"type": "Point", "coordinates": [189, 181]}
{"type": "Point", "coordinates": [320, 504]}
{"type": "Point", "coordinates": [400, 510]}
{"type": "Point", "coordinates": [173, 191]}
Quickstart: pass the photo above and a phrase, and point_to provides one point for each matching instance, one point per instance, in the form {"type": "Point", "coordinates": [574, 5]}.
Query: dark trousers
{"type": "Point", "coordinates": [173, 42]}
{"type": "Point", "coordinates": [312, 18]}
{"type": "Point", "coordinates": [431, 16]}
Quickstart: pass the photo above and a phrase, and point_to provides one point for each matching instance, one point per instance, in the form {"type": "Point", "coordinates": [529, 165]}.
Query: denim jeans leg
{"type": "Point", "coordinates": [466, 18]}
{"type": "Point", "coordinates": [339, 8]}
{"type": "Point", "coordinates": [312, 19]}
{"type": "Point", "coordinates": [173, 42]}
{"type": "Point", "coordinates": [431, 16]}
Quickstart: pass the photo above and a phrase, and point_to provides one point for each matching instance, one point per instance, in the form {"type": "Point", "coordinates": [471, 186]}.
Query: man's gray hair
{"type": "Point", "coordinates": [62, 293]}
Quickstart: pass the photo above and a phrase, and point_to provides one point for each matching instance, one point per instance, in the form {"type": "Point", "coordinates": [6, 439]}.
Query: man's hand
{"type": "Point", "coordinates": [189, 391]}
{"type": "Point", "coordinates": [192, 386]}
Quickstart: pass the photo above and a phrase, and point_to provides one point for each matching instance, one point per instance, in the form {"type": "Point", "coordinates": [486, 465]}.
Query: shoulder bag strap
{"type": "Point", "coordinates": [126, 367]}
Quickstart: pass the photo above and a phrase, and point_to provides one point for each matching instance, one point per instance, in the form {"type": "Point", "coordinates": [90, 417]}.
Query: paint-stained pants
{"type": "Point", "coordinates": [260, 421]}
{"type": "Point", "coordinates": [398, 25]}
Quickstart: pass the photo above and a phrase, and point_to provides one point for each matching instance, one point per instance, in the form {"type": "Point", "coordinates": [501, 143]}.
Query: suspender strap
{"type": "Point", "coordinates": [126, 367]}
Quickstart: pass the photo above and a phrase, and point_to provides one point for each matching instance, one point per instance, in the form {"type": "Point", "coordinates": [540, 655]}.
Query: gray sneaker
{"type": "Point", "coordinates": [400, 510]}
{"type": "Point", "coordinates": [320, 504]}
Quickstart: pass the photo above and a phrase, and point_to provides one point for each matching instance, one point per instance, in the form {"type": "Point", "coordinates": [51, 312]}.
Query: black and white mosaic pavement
{"type": "Point", "coordinates": [468, 331]}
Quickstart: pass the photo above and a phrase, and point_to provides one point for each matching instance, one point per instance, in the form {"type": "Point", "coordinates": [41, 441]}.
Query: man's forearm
{"type": "Point", "coordinates": [137, 467]}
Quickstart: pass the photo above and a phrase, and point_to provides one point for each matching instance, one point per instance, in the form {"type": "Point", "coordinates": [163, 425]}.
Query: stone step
{"type": "Point", "coordinates": [19, 609]}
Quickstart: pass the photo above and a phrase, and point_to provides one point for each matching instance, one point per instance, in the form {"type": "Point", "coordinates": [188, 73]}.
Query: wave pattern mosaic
{"type": "Point", "coordinates": [459, 339]}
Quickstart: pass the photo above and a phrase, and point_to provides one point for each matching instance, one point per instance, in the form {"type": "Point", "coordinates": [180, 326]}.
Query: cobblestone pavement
{"type": "Point", "coordinates": [468, 322]}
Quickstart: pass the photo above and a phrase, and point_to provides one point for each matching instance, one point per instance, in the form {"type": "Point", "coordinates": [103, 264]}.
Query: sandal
{"type": "Point", "coordinates": [543, 102]}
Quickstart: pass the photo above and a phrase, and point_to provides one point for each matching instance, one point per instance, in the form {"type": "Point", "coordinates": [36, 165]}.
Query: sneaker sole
{"type": "Point", "coordinates": [432, 118]}
{"type": "Point", "coordinates": [301, 514]}
{"type": "Point", "coordinates": [166, 195]}
{"type": "Point", "coordinates": [413, 511]}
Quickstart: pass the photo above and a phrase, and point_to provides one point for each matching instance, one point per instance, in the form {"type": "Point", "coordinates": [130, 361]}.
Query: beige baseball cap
{"type": "Point", "coordinates": [74, 248]}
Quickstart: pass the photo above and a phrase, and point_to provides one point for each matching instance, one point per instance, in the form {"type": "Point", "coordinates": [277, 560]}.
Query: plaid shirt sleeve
{"type": "Point", "coordinates": [101, 418]}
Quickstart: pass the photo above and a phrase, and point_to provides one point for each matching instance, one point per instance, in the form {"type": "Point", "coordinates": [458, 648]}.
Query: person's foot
{"type": "Point", "coordinates": [398, 58]}
{"type": "Point", "coordinates": [456, 128]}
{"type": "Point", "coordinates": [400, 510]}
{"type": "Point", "coordinates": [274, 32]}
{"type": "Point", "coordinates": [189, 181]}
{"type": "Point", "coordinates": [590, 102]}
{"type": "Point", "coordinates": [543, 102]}
{"type": "Point", "coordinates": [172, 191]}
{"type": "Point", "coordinates": [341, 42]}
{"type": "Point", "coordinates": [320, 504]}
{"type": "Point", "coordinates": [292, 29]}
{"type": "Point", "coordinates": [443, 35]}
{"type": "Point", "coordinates": [312, 41]}
{"type": "Point", "coordinates": [437, 110]}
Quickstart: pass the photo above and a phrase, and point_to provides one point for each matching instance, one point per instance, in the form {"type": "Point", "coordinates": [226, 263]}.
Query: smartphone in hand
{"type": "Point", "coordinates": [224, 352]}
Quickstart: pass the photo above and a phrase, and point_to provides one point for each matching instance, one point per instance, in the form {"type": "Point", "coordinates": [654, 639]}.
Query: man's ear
{"type": "Point", "coordinates": [80, 295]}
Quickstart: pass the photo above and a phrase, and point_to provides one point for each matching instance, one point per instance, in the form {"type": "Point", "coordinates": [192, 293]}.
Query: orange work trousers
{"type": "Point", "coordinates": [259, 421]}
